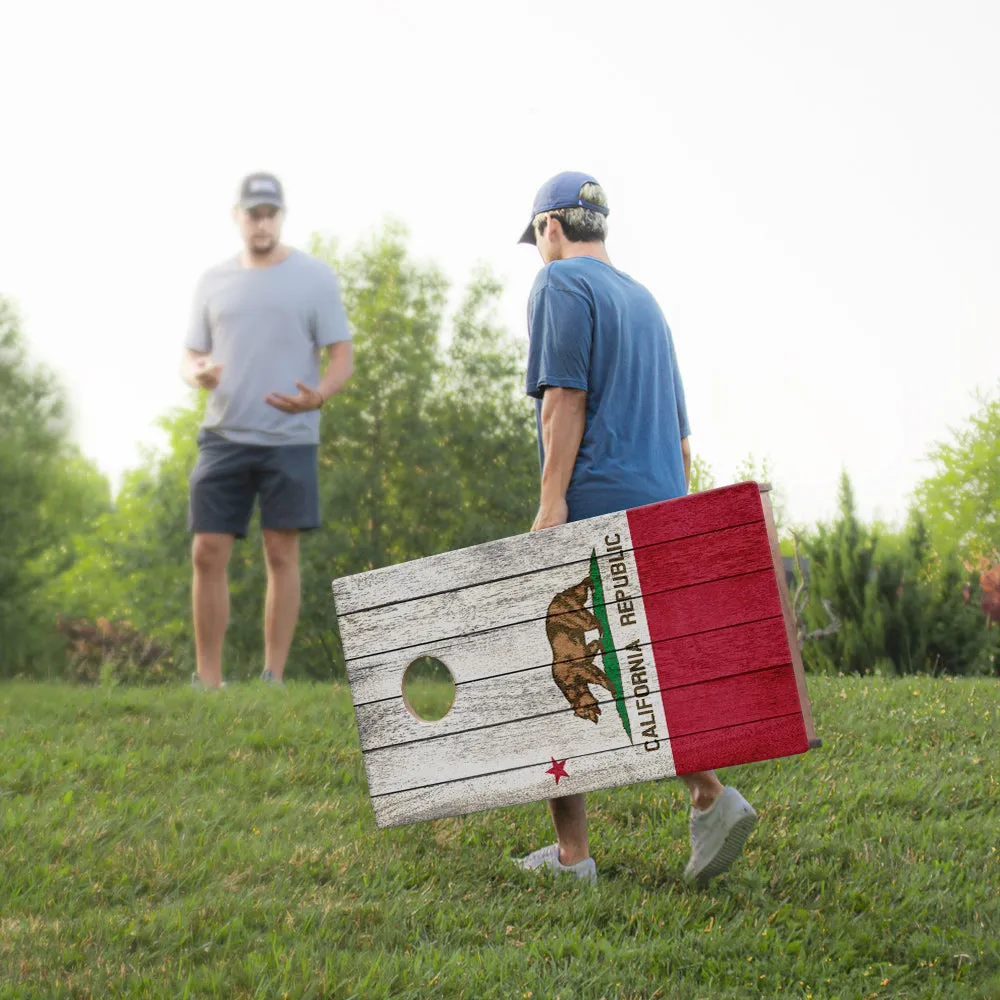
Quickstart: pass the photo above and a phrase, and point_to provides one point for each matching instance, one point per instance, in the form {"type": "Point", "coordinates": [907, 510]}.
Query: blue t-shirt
{"type": "Point", "coordinates": [593, 327]}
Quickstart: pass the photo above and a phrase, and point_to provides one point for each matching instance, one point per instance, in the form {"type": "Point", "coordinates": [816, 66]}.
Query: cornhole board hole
{"type": "Point", "coordinates": [624, 648]}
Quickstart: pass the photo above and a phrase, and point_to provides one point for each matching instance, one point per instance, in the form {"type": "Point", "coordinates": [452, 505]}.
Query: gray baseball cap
{"type": "Point", "coordinates": [261, 189]}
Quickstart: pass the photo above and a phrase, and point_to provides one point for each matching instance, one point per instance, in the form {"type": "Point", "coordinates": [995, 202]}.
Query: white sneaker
{"type": "Point", "coordinates": [196, 682]}
{"type": "Point", "coordinates": [718, 835]}
{"type": "Point", "coordinates": [548, 857]}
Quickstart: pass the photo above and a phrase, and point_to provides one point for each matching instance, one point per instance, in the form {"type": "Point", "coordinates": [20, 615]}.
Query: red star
{"type": "Point", "coordinates": [558, 769]}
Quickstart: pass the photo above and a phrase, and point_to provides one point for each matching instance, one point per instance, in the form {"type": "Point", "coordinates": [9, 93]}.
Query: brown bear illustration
{"type": "Point", "coordinates": [573, 667]}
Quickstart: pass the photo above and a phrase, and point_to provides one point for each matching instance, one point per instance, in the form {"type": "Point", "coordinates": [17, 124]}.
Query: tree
{"type": "Point", "coordinates": [427, 448]}
{"type": "Point", "coordinates": [50, 495]}
{"type": "Point", "coordinates": [961, 500]}
{"type": "Point", "coordinates": [750, 471]}
{"type": "Point", "coordinates": [487, 426]}
{"type": "Point", "coordinates": [375, 444]}
{"type": "Point", "coordinates": [134, 565]}
{"type": "Point", "coordinates": [842, 559]}
{"type": "Point", "coordinates": [702, 476]}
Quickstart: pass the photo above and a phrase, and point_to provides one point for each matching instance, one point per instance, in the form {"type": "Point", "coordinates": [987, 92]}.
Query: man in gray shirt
{"type": "Point", "coordinates": [259, 325]}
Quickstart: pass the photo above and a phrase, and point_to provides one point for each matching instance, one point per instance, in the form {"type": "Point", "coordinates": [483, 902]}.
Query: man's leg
{"type": "Point", "coordinates": [570, 855]}
{"type": "Point", "coordinates": [219, 508]}
{"type": "Point", "coordinates": [569, 816]}
{"type": "Point", "coordinates": [210, 602]}
{"type": "Point", "coordinates": [281, 613]}
{"type": "Point", "coordinates": [704, 787]}
{"type": "Point", "coordinates": [720, 822]}
{"type": "Point", "coordinates": [288, 480]}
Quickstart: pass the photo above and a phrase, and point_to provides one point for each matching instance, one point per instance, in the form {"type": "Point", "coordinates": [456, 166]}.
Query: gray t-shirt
{"type": "Point", "coordinates": [267, 327]}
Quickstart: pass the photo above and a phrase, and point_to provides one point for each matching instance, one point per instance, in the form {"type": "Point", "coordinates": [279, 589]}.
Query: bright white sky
{"type": "Point", "coordinates": [810, 190]}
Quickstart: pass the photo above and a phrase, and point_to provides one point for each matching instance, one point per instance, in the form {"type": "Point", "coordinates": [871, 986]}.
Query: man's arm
{"type": "Point", "coordinates": [564, 417]}
{"type": "Point", "coordinates": [682, 417]}
{"type": "Point", "coordinates": [339, 368]}
{"type": "Point", "coordinates": [196, 364]}
{"type": "Point", "coordinates": [332, 331]}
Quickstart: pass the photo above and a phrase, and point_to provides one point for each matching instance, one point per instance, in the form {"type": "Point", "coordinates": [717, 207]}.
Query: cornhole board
{"type": "Point", "coordinates": [629, 647]}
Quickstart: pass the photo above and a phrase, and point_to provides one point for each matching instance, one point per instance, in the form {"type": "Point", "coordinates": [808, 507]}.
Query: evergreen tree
{"type": "Point", "coordinates": [841, 568]}
{"type": "Point", "coordinates": [902, 607]}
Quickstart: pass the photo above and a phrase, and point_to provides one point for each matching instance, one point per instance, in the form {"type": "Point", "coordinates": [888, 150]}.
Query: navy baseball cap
{"type": "Point", "coordinates": [261, 189]}
{"type": "Point", "coordinates": [561, 191]}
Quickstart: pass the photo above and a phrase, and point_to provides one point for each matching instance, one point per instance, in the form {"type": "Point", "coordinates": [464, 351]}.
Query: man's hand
{"type": "Point", "coordinates": [207, 373]}
{"type": "Point", "coordinates": [304, 400]}
{"type": "Point", "coordinates": [551, 514]}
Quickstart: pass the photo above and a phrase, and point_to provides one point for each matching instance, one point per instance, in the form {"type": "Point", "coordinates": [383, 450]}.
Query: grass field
{"type": "Point", "coordinates": [188, 844]}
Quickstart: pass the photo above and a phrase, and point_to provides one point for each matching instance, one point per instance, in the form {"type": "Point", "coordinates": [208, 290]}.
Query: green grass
{"type": "Point", "coordinates": [186, 844]}
{"type": "Point", "coordinates": [428, 689]}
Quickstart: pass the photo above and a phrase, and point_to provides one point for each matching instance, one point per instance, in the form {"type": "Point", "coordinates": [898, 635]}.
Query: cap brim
{"type": "Point", "coordinates": [264, 200]}
{"type": "Point", "coordinates": [528, 236]}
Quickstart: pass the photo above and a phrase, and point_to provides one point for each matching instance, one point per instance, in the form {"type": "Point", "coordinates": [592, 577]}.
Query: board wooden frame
{"type": "Point", "coordinates": [791, 627]}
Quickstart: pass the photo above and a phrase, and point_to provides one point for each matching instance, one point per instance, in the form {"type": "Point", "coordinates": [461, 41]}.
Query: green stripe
{"type": "Point", "coordinates": [611, 667]}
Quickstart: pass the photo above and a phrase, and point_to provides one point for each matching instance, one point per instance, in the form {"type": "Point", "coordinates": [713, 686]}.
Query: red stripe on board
{"type": "Point", "coordinates": [694, 659]}
{"type": "Point", "coordinates": [718, 604]}
{"type": "Point", "coordinates": [695, 514]}
{"type": "Point", "coordinates": [731, 701]}
{"type": "Point", "coordinates": [731, 666]}
{"type": "Point", "coordinates": [688, 561]}
{"type": "Point", "coordinates": [746, 744]}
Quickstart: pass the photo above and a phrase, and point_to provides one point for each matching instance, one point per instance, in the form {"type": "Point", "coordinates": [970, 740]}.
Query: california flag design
{"type": "Point", "coordinates": [624, 648]}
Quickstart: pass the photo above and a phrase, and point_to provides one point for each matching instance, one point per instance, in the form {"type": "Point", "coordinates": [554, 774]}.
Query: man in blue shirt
{"type": "Point", "coordinates": [612, 434]}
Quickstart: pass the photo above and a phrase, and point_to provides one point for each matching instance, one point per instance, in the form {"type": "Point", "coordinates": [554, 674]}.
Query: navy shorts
{"type": "Point", "coordinates": [228, 477]}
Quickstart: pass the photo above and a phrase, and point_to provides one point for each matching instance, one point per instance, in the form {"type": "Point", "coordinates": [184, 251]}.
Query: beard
{"type": "Point", "coordinates": [262, 247]}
